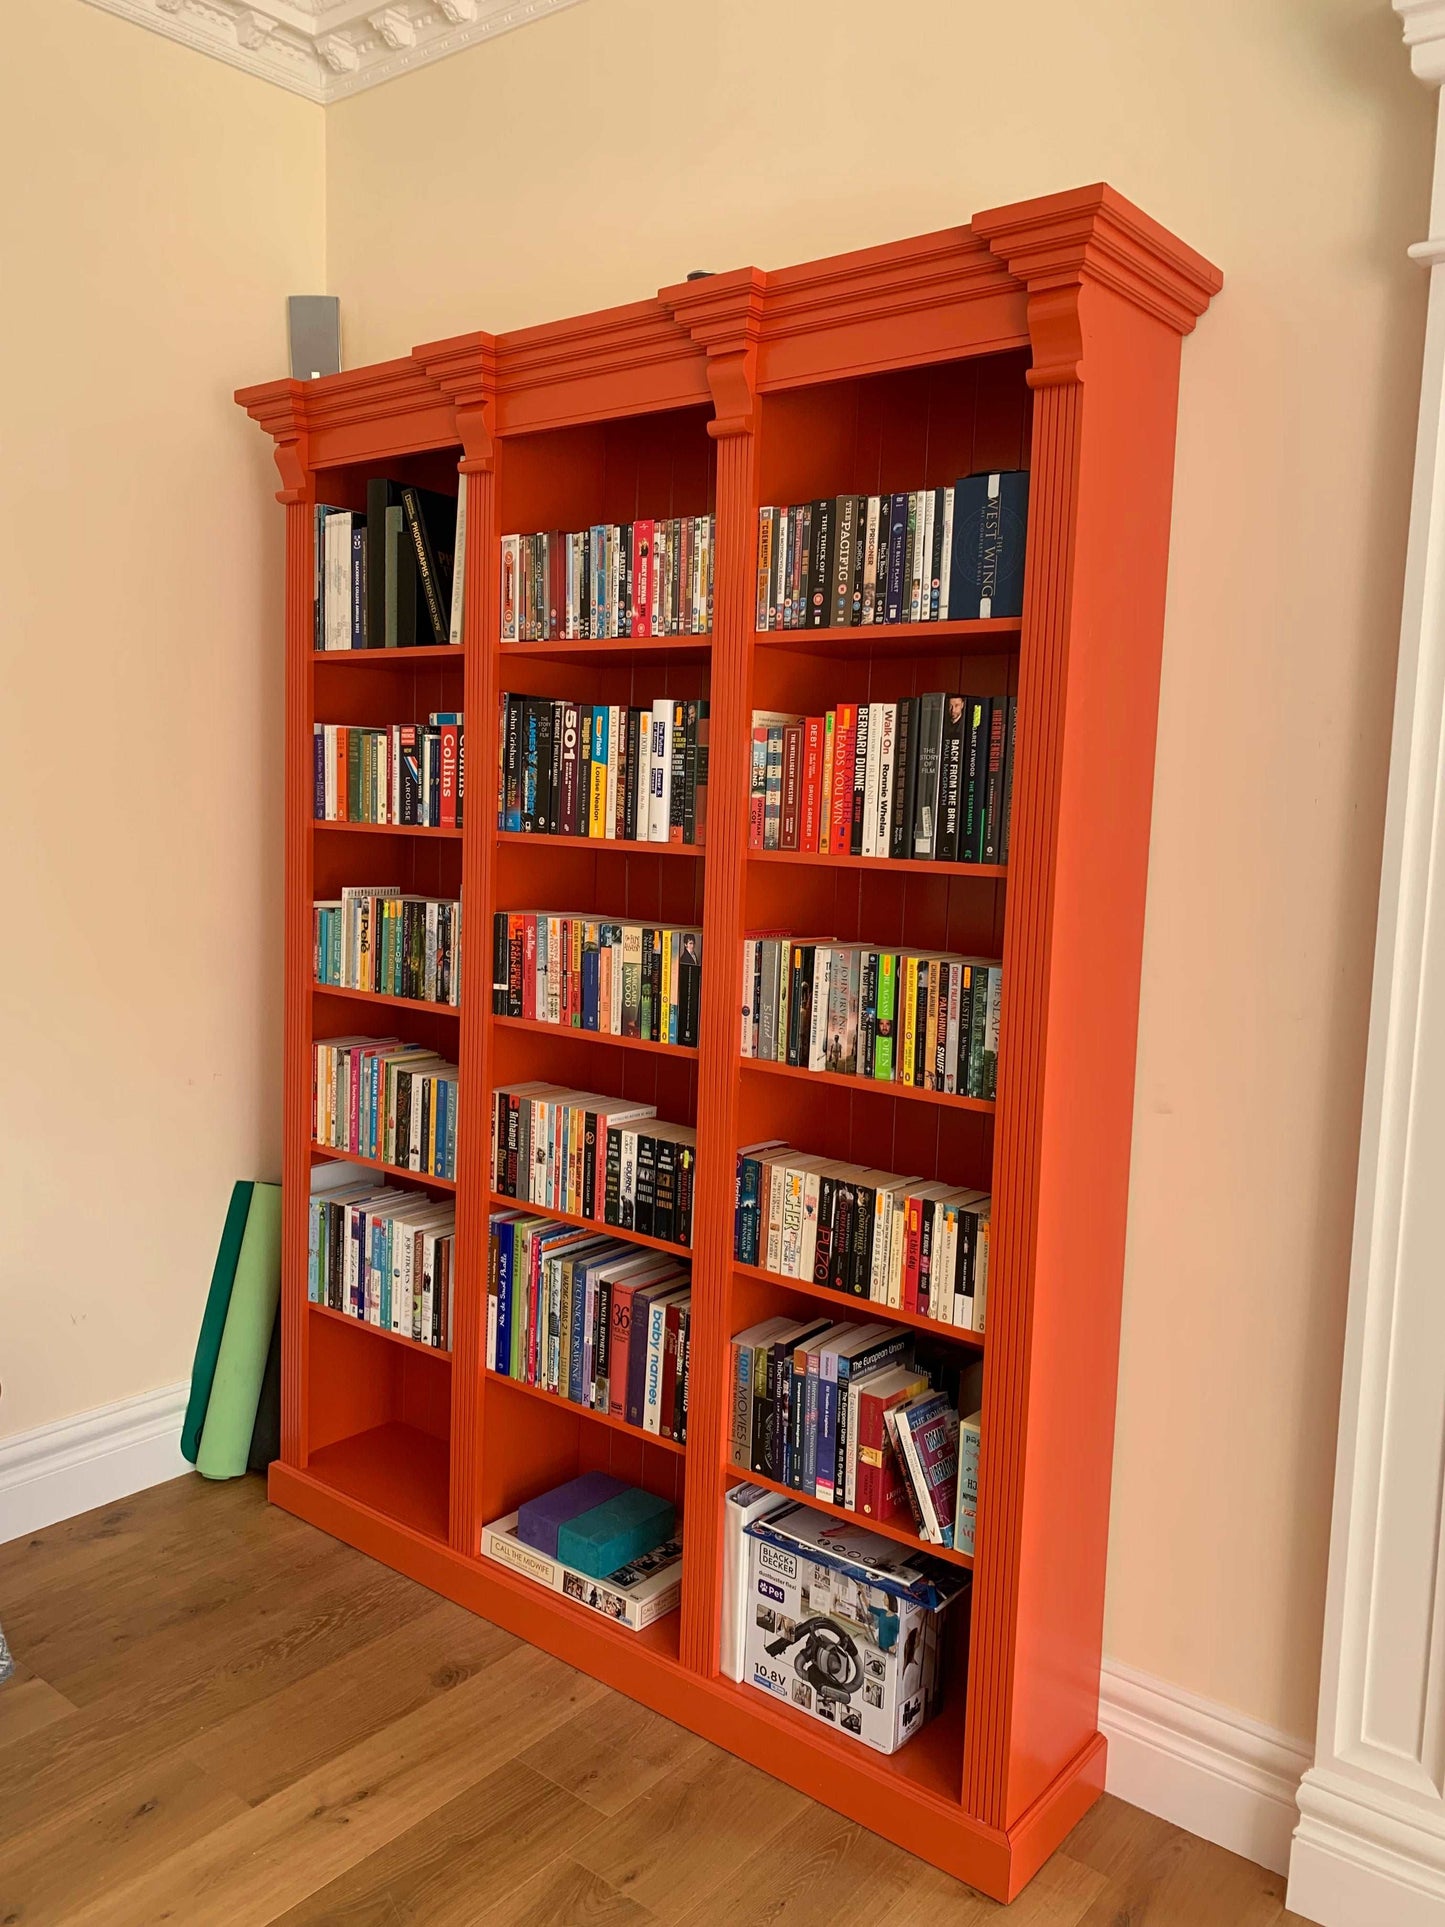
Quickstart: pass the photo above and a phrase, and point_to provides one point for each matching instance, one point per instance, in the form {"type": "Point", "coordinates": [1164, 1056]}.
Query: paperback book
{"type": "Point", "coordinates": [607, 772]}
{"type": "Point", "coordinates": [611, 1160]}
{"type": "Point", "coordinates": [582, 972]}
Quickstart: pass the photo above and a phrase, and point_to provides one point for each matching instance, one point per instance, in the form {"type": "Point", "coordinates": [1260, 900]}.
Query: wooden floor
{"type": "Point", "coordinates": [221, 1715]}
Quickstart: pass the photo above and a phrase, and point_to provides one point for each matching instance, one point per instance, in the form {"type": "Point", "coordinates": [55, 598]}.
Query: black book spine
{"type": "Point", "coordinates": [905, 774]}
{"type": "Point", "coordinates": [689, 994]}
{"type": "Point", "coordinates": [820, 574]}
{"type": "Point", "coordinates": [500, 955]}
{"type": "Point", "coordinates": [860, 539]}
{"type": "Point", "coordinates": [664, 1189]}
{"type": "Point", "coordinates": [426, 563]}
{"type": "Point", "coordinates": [543, 822]}
{"type": "Point", "coordinates": [589, 1164]}
{"type": "Point", "coordinates": [689, 778]}
{"type": "Point", "coordinates": [823, 1243]}
{"type": "Point", "coordinates": [931, 610]}
{"type": "Point", "coordinates": [957, 711]}
{"type": "Point", "coordinates": [925, 806]}
{"type": "Point", "coordinates": [612, 1205]}
{"type": "Point", "coordinates": [645, 1194]}
{"type": "Point", "coordinates": [378, 497]}
{"type": "Point", "coordinates": [975, 779]}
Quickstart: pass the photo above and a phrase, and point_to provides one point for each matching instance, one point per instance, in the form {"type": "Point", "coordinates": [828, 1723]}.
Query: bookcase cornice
{"type": "Point", "coordinates": [464, 368]}
{"type": "Point", "coordinates": [280, 409]}
{"type": "Point", "coordinates": [1062, 243]}
{"type": "Point", "coordinates": [628, 360]}
{"type": "Point", "coordinates": [725, 313]}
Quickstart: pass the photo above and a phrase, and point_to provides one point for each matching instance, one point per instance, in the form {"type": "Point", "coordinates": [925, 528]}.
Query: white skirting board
{"type": "Point", "coordinates": [1202, 1766]}
{"type": "Point", "coordinates": [59, 1470]}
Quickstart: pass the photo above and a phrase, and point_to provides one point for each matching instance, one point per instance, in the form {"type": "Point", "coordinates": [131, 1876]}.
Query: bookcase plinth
{"type": "Point", "coordinates": [1044, 337]}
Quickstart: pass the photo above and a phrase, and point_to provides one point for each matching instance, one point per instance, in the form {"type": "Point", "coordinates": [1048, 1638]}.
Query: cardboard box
{"type": "Point", "coordinates": [845, 1625]}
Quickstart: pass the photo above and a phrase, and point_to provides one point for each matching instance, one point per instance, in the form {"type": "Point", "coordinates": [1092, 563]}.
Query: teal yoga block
{"type": "Point", "coordinates": [615, 1533]}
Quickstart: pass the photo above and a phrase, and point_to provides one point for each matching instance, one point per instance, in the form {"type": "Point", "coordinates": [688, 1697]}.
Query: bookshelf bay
{"type": "Point", "coordinates": [894, 368]}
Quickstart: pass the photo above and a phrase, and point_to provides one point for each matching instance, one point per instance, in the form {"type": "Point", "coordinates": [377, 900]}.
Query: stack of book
{"type": "Point", "coordinates": [385, 1256]}
{"type": "Point", "coordinates": [374, 938]}
{"type": "Point", "coordinates": [929, 1020]}
{"type": "Point", "coordinates": [647, 578]}
{"type": "Point", "coordinates": [605, 1158]}
{"type": "Point", "coordinates": [582, 973]}
{"type": "Point", "coordinates": [390, 578]}
{"type": "Point", "coordinates": [905, 1243]}
{"type": "Point", "coordinates": [410, 773]}
{"type": "Point", "coordinates": [605, 771]}
{"type": "Point", "coordinates": [613, 1549]}
{"type": "Point", "coordinates": [930, 555]}
{"type": "Point", "coordinates": [591, 1319]}
{"type": "Point", "coordinates": [380, 1098]}
{"type": "Point", "coordinates": [928, 779]}
{"type": "Point", "coordinates": [846, 1414]}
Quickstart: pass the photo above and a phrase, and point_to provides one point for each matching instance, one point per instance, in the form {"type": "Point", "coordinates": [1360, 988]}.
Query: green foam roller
{"type": "Point", "coordinates": [213, 1320]}
{"type": "Point", "coordinates": [241, 1362]}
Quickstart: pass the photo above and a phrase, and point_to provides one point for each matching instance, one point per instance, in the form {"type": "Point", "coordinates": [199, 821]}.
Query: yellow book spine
{"type": "Point", "coordinates": [910, 1018]}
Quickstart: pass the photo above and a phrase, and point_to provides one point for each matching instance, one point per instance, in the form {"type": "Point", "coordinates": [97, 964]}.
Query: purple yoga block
{"type": "Point", "coordinates": [540, 1519]}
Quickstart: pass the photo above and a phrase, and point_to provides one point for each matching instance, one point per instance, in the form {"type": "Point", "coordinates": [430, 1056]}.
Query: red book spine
{"type": "Point", "coordinates": [845, 732]}
{"type": "Point", "coordinates": [621, 1344]}
{"type": "Point", "coordinates": [912, 1246]}
{"type": "Point", "coordinates": [449, 776]}
{"type": "Point", "coordinates": [643, 535]}
{"type": "Point", "coordinates": [529, 967]}
{"type": "Point", "coordinates": [812, 782]}
{"type": "Point", "coordinates": [792, 785]}
{"type": "Point", "coordinates": [879, 1490]}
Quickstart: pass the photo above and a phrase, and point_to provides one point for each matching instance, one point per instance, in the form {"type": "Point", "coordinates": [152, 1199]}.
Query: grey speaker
{"type": "Point", "coordinates": [314, 325]}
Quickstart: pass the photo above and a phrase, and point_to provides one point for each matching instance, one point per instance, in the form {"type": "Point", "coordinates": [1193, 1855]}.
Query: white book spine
{"type": "Point", "coordinates": [870, 562]}
{"type": "Point", "coordinates": [872, 781]}
{"type": "Point", "coordinates": [808, 1239]}
{"type": "Point", "coordinates": [511, 585]}
{"type": "Point", "coordinates": [945, 579]}
{"type": "Point", "coordinates": [926, 513]}
{"type": "Point", "coordinates": [459, 565]}
{"type": "Point", "coordinates": [887, 727]}
{"type": "Point", "coordinates": [955, 1011]}
{"type": "Point", "coordinates": [750, 964]}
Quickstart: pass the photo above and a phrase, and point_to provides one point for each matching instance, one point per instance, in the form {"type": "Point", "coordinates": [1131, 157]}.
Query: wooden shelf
{"type": "Point", "coordinates": [584, 1411]}
{"type": "Point", "coordinates": [387, 1001]}
{"type": "Point", "coordinates": [872, 1086]}
{"type": "Point", "coordinates": [392, 658]}
{"type": "Point", "coordinates": [574, 1033]}
{"type": "Point", "coordinates": [386, 829]}
{"type": "Point", "coordinates": [380, 1331]}
{"type": "Point", "coordinates": [904, 1534]}
{"type": "Point", "coordinates": [908, 866]}
{"type": "Point", "coordinates": [600, 845]}
{"type": "Point", "coordinates": [395, 1469]}
{"type": "Point", "coordinates": [375, 1164]}
{"type": "Point", "coordinates": [500, 1203]}
{"type": "Point", "coordinates": [852, 1307]}
{"type": "Point", "coordinates": [897, 639]}
{"type": "Point", "coordinates": [607, 650]}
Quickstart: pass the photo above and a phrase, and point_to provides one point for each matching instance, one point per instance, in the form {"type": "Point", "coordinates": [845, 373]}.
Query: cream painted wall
{"type": "Point", "coordinates": [158, 208]}
{"type": "Point", "coordinates": [614, 146]}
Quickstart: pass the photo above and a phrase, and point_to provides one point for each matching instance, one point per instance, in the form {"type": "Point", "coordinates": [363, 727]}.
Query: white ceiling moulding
{"type": "Point", "coordinates": [326, 49]}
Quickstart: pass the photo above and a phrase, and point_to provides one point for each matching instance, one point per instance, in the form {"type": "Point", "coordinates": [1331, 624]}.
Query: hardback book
{"type": "Point", "coordinates": [990, 533]}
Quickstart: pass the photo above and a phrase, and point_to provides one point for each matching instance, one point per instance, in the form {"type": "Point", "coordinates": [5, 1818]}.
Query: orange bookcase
{"type": "Point", "coordinates": [1044, 335]}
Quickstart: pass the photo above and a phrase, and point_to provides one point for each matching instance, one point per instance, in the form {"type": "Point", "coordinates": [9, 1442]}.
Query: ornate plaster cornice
{"type": "Point", "coordinates": [326, 49]}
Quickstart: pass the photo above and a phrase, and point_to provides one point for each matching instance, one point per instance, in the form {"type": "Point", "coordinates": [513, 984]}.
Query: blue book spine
{"type": "Point", "coordinates": [313, 1251]}
{"type": "Point", "coordinates": [318, 750]}
{"type": "Point", "coordinates": [748, 1237]}
{"type": "Point", "coordinates": [897, 544]}
{"type": "Point", "coordinates": [529, 771]}
{"type": "Point", "coordinates": [383, 1255]}
{"type": "Point", "coordinates": [590, 984]}
{"type": "Point", "coordinates": [358, 582]}
{"type": "Point", "coordinates": [503, 1360]}
{"type": "Point", "coordinates": [990, 529]}
{"type": "Point", "coordinates": [827, 1437]}
{"type": "Point", "coordinates": [357, 1301]}
{"type": "Point", "coordinates": [439, 1158]}
{"type": "Point", "coordinates": [577, 1335]}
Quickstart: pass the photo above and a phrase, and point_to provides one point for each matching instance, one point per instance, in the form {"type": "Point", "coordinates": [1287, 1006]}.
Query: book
{"type": "Point", "coordinates": [633, 1597]}
{"type": "Point", "coordinates": [990, 536]}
